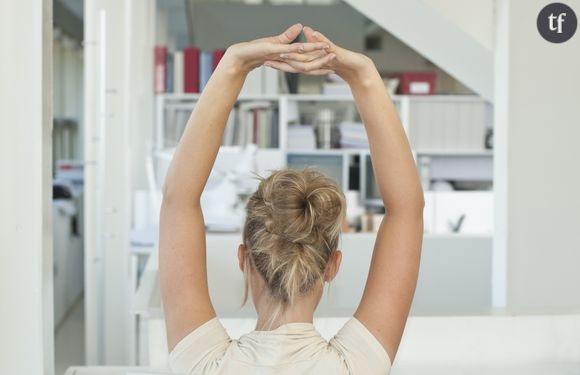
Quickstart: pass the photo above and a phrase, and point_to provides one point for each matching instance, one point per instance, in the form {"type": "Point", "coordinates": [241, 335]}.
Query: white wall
{"type": "Point", "coordinates": [537, 176]}
{"type": "Point", "coordinates": [26, 315]}
{"type": "Point", "coordinates": [474, 17]}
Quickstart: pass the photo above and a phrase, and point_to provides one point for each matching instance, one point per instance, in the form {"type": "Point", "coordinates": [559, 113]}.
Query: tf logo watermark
{"type": "Point", "coordinates": [557, 22]}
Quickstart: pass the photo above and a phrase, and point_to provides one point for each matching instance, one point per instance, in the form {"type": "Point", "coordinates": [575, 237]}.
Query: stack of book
{"type": "Point", "coordinates": [174, 125]}
{"type": "Point", "coordinates": [185, 71]}
{"type": "Point", "coordinates": [188, 71]}
{"type": "Point", "coordinates": [353, 135]}
{"type": "Point", "coordinates": [252, 123]}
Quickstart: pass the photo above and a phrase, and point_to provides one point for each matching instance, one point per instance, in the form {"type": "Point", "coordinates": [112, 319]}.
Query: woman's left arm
{"type": "Point", "coordinates": [182, 258]}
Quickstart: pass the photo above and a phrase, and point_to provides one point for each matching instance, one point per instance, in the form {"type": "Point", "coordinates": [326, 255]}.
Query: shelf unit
{"type": "Point", "coordinates": [338, 161]}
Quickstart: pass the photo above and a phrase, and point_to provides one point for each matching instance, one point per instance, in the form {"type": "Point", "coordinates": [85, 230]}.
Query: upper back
{"type": "Point", "coordinates": [295, 348]}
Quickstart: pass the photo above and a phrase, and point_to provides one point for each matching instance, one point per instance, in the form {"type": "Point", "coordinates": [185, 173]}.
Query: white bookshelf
{"type": "Point", "coordinates": [402, 102]}
{"type": "Point", "coordinates": [462, 163]}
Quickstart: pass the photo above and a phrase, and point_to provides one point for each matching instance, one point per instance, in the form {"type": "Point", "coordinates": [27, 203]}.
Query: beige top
{"type": "Point", "coordinates": [294, 348]}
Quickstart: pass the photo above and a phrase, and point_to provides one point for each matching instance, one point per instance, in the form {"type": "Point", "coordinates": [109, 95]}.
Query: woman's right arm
{"type": "Point", "coordinates": [395, 262]}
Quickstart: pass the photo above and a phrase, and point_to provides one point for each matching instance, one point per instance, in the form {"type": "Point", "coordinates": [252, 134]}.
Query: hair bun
{"type": "Point", "coordinates": [303, 205]}
{"type": "Point", "coordinates": [292, 227]}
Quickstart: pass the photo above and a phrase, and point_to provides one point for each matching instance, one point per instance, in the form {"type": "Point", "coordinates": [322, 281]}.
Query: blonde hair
{"type": "Point", "coordinates": [291, 230]}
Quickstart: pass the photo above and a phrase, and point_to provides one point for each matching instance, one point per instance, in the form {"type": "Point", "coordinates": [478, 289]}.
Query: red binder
{"type": "Point", "coordinates": [160, 69]}
{"type": "Point", "coordinates": [216, 57]}
{"type": "Point", "coordinates": [191, 70]}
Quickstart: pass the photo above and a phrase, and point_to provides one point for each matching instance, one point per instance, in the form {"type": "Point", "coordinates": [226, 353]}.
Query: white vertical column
{"type": "Point", "coordinates": [93, 336]}
{"type": "Point", "coordinates": [107, 184]}
{"type": "Point", "coordinates": [140, 37]}
{"type": "Point", "coordinates": [140, 114]}
{"type": "Point", "coordinates": [537, 172]}
{"type": "Point", "coordinates": [118, 119]}
{"type": "Point", "coordinates": [26, 312]}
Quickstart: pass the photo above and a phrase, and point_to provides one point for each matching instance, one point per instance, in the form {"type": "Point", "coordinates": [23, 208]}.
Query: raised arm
{"type": "Point", "coordinates": [182, 258]}
{"type": "Point", "coordinates": [395, 263]}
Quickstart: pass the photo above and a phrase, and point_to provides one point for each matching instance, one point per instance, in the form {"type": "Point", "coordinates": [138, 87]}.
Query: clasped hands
{"type": "Point", "coordinates": [317, 56]}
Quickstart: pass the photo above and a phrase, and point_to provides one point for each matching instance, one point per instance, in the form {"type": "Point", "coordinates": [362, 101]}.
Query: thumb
{"type": "Point", "coordinates": [290, 34]}
{"type": "Point", "coordinates": [308, 31]}
{"type": "Point", "coordinates": [316, 36]}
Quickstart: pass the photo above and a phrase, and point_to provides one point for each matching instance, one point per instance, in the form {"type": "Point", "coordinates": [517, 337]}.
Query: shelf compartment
{"type": "Point", "coordinates": [475, 167]}
{"type": "Point", "coordinates": [331, 165]}
{"type": "Point", "coordinates": [369, 189]}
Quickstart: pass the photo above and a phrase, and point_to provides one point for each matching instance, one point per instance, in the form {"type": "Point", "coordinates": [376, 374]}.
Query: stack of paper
{"type": "Point", "coordinates": [447, 125]}
{"type": "Point", "coordinates": [335, 85]}
{"type": "Point", "coordinates": [336, 88]}
{"type": "Point", "coordinates": [353, 135]}
{"type": "Point", "coordinates": [301, 137]}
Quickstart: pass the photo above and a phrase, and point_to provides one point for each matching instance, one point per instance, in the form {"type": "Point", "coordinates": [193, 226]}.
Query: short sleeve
{"type": "Point", "coordinates": [361, 350]}
{"type": "Point", "coordinates": [201, 350]}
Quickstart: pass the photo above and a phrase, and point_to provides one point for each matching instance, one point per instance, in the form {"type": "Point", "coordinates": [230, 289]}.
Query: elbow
{"type": "Point", "coordinates": [418, 201]}
{"type": "Point", "coordinates": [419, 206]}
{"type": "Point", "coordinates": [408, 207]}
{"type": "Point", "coordinates": [416, 208]}
{"type": "Point", "coordinates": [166, 195]}
{"type": "Point", "coordinates": [421, 202]}
{"type": "Point", "coordinates": [169, 196]}
{"type": "Point", "coordinates": [164, 189]}
{"type": "Point", "coordinates": [175, 196]}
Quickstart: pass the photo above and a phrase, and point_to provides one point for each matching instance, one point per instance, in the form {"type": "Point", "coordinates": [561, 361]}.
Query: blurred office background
{"type": "Point", "coordinates": [488, 107]}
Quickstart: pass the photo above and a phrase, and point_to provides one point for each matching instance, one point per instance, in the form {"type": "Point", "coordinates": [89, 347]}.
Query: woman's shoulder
{"type": "Point", "coordinates": [201, 349]}
{"type": "Point", "coordinates": [360, 349]}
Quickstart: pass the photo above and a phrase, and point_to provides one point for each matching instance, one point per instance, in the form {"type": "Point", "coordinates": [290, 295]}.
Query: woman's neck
{"type": "Point", "coordinates": [301, 311]}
